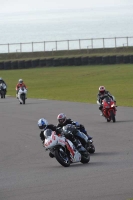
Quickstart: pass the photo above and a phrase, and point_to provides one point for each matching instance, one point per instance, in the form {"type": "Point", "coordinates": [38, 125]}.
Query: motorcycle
{"type": "Point", "coordinates": [2, 90]}
{"type": "Point", "coordinates": [81, 135]}
{"type": "Point", "coordinates": [63, 149]}
{"type": "Point", "coordinates": [109, 108]}
{"type": "Point", "coordinates": [22, 95]}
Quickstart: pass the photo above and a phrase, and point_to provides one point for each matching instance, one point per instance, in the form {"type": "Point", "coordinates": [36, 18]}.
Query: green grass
{"type": "Point", "coordinates": [77, 84]}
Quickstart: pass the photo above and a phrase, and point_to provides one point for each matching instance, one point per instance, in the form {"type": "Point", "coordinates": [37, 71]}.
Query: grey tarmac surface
{"type": "Point", "coordinates": [28, 173]}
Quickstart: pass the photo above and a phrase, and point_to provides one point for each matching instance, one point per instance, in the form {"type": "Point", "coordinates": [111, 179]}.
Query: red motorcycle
{"type": "Point", "coordinates": [109, 109]}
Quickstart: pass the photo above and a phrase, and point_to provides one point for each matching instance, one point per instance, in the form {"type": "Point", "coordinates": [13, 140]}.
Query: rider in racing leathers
{"type": "Point", "coordinates": [20, 84]}
{"type": "Point", "coordinates": [2, 81]}
{"type": "Point", "coordinates": [63, 120]}
{"type": "Point", "coordinates": [101, 94]}
{"type": "Point", "coordinates": [43, 125]}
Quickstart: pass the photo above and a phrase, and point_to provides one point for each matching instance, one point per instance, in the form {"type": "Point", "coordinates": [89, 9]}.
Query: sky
{"type": "Point", "coordinates": [7, 6]}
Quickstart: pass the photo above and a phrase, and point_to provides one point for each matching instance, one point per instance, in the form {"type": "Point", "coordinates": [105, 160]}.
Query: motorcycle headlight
{"type": "Point", "coordinates": [113, 105]}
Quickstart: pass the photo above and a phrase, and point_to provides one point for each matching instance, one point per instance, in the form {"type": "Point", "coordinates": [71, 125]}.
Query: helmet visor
{"type": "Point", "coordinates": [61, 121]}
{"type": "Point", "coordinates": [102, 92]}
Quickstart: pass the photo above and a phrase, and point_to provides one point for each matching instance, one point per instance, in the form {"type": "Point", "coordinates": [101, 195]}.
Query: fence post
{"type": "Point", "coordinates": [8, 48]}
{"type": "Point", "coordinates": [115, 42]}
{"type": "Point", "coordinates": [68, 44]}
{"type": "Point", "coordinates": [92, 42]}
{"type": "Point", "coordinates": [56, 45]}
{"type": "Point", "coordinates": [79, 44]}
{"type": "Point", "coordinates": [127, 41]}
{"type": "Point", "coordinates": [20, 47]}
{"type": "Point", "coordinates": [44, 45]}
{"type": "Point", "coordinates": [32, 47]}
{"type": "Point", "coordinates": [103, 43]}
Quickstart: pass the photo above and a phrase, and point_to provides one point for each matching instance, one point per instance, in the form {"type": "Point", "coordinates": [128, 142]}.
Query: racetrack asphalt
{"type": "Point", "coordinates": [28, 173]}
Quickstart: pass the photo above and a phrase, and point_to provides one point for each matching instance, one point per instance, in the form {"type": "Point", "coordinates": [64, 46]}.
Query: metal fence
{"type": "Point", "coordinates": [92, 43]}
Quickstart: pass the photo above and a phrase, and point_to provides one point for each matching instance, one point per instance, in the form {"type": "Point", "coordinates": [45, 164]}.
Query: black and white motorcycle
{"type": "Point", "coordinates": [22, 95]}
{"type": "Point", "coordinates": [3, 90]}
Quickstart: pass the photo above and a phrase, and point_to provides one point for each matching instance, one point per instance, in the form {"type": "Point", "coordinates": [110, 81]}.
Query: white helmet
{"type": "Point", "coordinates": [20, 81]}
{"type": "Point", "coordinates": [42, 123]}
{"type": "Point", "coordinates": [102, 89]}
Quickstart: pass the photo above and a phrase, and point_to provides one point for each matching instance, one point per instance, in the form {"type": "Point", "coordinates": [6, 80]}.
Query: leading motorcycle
{"type": "Point", "coordinates": [2, 90]}
{"type": "Point", "coordinates": [63, 149]}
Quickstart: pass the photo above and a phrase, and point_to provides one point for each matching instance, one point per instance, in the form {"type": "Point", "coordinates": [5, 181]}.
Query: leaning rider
{"type": "Point", "coordinates": [44, 125]}
{"type": "Point", "coordinates": [63, 121]}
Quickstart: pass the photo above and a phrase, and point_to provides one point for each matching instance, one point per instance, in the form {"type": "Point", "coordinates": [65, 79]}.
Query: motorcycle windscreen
{"type": "Point", "coordinates": [47, 133]}
{"type": "Point", "coordinates": [107, 99]}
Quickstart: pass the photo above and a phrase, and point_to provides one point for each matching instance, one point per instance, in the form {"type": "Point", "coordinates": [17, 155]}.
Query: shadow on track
{"type": "Point", "coordinates": [121, 121]}
{"type": "Point", "coordinates": [105, 154]}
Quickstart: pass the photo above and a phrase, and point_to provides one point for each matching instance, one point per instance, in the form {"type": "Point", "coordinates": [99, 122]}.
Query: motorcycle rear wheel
{"type": "Point", "coordinates": [62, 158]}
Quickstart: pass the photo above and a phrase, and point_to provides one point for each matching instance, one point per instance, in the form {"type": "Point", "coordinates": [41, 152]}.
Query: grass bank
{"type": "Point", "coordinates": [77, 84]}
{"type": "Point", "coordinates": [66, 53]}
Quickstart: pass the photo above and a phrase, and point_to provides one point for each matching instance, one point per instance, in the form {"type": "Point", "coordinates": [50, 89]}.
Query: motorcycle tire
{"type": "Point", "coordinates": [85, 157]}
{"type": "Point", "coordinates": [62, 158]}
{"type": "Point", "coordinates": [92, 149]}
{"type": "Point", "coordinates": [4, 95]}
{"type": "Point", "coordinates": [112, 115]}
{"type": "Point", "coordinates": [23, 98]}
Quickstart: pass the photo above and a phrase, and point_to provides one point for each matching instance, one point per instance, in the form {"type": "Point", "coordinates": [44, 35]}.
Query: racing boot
{"type": "Point", "coordinates": [17, 96]}
{"type": "Point", "coordinates": [51, 155]}
{"type": "Point", "coordinates": [89, 137]}
{"type": "Point", "coordinates": [100, 108]}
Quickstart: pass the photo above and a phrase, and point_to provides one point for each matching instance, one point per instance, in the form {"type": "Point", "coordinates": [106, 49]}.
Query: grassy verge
{"type": "Point", "coordinates": [77, 84]}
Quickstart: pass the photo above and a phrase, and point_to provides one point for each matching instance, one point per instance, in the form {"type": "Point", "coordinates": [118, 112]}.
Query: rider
{"type": "Point", "coordinates": [103, 92]}
{"type": "Point", "coordinates": [63, 121]}
{"type": "Point", "coordinates": [43, 125]}
{"type": "Point", "coordinates": [20, 84]}
{"type": "Point", "coordinates": [2, 81]}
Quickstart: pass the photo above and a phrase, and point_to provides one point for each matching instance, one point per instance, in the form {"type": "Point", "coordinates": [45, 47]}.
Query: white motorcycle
{"type": "Point", "coordinates": [2, 90]}
{"type": "Point", "coordinates": [22, 95]}
{"type": "Point", "coordinates": [64, 150]}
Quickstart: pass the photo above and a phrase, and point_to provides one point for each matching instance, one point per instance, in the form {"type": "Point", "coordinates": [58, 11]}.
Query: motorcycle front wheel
{"type": "Point", "coordinates": [92, 148]}
{"type": "Point", "coordinates": [85, 157]}
{"type": "Point", "coordinates": [62, 157]}
{"type": "Point", "coordinates": [23, 98]}
{"type": "Point", "coordinates": [108, 120]}
{"type": "Point", "coordinates": [112, 115]}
